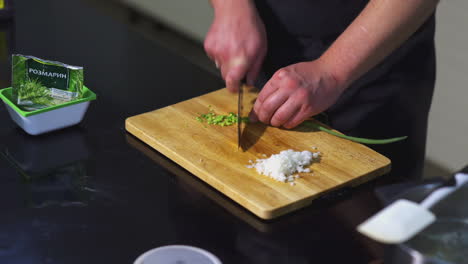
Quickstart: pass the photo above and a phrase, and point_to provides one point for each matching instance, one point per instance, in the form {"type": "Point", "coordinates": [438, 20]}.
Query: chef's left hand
{"type": "Point", "coordinates": [295, 93]}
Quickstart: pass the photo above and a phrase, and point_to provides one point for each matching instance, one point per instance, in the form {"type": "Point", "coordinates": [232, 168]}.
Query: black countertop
{"type": "Point", "coordinates": [95, 194]}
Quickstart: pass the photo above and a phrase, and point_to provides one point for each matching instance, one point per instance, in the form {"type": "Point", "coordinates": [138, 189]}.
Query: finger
{"type": "Point", "coordinates": [232, 84]}
{"type": "Point", "coordinates": [208, 49]}
{"type": "Point", "coordinates": [223, 68]}
{"type": "Point", "coordinates": [271, 86]}
{"type": "Point", "coordinates": [220, 58]}
{"type": "Point", "coordinates": [236, 72]}
{"type": "Point", "coordinates": [252, 74]}
{"type": "Point", "coordinates": [224, 65]}
{"type": "Point", "coordinates": [210, 54]}
{"type": "Point", "coordinates": [214, 59]}
{"type": "Point", "coordinates": [268, 89]}
{"type": "Point", "coordinates": [285, 113]}
{"type": "Point", "coordinates": [297, 119]}
{"type": "Point", "coordinates": [271, 105]}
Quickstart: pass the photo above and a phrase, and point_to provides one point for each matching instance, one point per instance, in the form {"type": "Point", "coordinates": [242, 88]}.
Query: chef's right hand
{"type": "Point", "coordinates": [236, 41]}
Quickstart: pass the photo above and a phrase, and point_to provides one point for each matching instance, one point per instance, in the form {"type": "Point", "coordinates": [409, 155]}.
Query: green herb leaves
{"type": "Point", "coordinates": [34, 92]}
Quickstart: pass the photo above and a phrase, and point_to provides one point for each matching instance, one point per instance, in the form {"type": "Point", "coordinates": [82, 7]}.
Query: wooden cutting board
{"type": "Point", "coordinates": [210, 153]}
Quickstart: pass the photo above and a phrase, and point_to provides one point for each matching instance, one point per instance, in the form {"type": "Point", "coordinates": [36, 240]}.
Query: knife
{"type": "Point", "coordinates": [239, 113]}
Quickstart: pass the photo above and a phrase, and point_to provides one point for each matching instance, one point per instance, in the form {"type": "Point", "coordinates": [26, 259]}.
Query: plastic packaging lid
{"type": "Point", "coordinates": [177, 254]}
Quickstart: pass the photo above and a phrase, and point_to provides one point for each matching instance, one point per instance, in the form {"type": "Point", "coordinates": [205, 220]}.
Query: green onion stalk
{"type": "Point", "coordinates": [231, 119]}
{"type": "Point", "coordinates": [355, 139]}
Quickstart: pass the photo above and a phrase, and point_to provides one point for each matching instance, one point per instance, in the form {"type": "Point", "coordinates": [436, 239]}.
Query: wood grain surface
{"type": "Point", "coordinates": [210, 153]}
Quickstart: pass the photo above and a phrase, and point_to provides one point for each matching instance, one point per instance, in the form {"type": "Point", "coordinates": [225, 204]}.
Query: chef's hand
{"type": "Point", "coordinates": [236, 41]}
{"type": "Point", "coordinates": [295, 93]}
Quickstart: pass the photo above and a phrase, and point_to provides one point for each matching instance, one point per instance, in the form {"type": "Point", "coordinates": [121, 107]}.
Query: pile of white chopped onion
{"type": "Point", "coordinates": [283, 166]}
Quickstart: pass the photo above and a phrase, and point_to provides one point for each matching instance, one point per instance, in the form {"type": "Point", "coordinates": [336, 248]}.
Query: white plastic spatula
{"type": "Point", "coordinates": [403, 219]}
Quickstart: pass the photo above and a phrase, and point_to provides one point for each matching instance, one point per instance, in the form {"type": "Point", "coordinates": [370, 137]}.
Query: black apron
{"type": "Point", "coordinates": [392, 99]}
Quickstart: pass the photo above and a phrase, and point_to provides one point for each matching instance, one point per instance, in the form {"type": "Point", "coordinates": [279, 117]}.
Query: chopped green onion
{"type": "Point", "coordinates": [220, 120]}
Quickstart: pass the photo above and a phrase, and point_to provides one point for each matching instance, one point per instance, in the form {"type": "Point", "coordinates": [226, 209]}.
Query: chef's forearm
{"type": "Point", "coordinates": [381, 27]}
{"type": "Point", "coordinates": [217, 3]}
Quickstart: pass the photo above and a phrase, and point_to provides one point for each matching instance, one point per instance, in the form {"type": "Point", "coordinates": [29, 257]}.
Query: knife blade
{"type": "Point", "coordinates": [239, 113]}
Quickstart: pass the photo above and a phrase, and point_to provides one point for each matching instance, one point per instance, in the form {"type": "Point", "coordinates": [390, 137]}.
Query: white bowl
{"type": "Point", "coordinates": [177, 254]}
{"type": "Point", "coordinates": [49, 119]}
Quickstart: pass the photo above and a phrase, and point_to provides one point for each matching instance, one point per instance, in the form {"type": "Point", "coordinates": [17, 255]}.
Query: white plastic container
{"type": "Point", "coordinates": [177, 254]}
{"type": "Point", "coordinates": [48, 119]}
